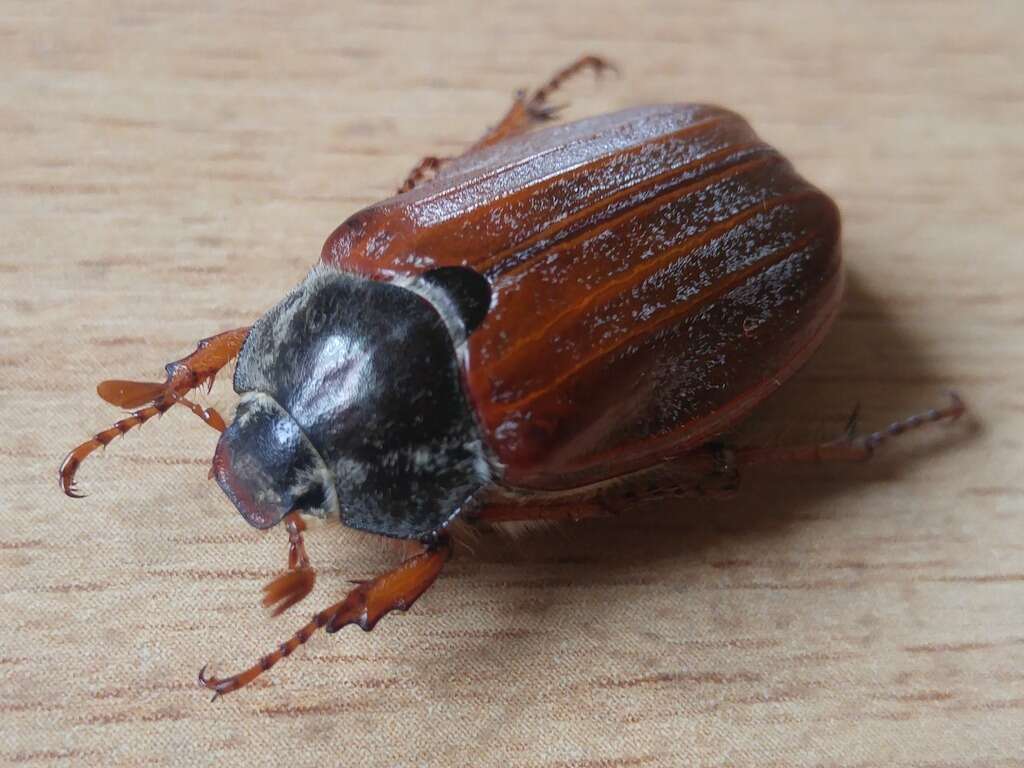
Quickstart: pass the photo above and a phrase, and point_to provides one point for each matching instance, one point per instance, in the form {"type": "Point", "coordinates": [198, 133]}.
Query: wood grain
{"type": "Point", "coordinates": [170, 170]}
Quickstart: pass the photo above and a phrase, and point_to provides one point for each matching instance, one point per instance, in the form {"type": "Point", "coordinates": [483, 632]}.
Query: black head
{"type": "Point", "coordinates": [352, 404]}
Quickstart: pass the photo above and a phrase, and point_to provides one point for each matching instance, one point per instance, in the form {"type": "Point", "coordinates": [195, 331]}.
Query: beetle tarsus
{"type": "Point", "coordinates": [76, 456]}
{"type": "Point", "coordinates": [951, 412]}
{"type": "Point", "coordinates": [210, 683]}
{"type": "Point", "coordinates": [527, 110]}
{"type": "Point", "coordinates": [364, 606]}
{"type": "Point", "coordinates": [850, 447]}
{"type": "Point", "coordinates": [595, 63]}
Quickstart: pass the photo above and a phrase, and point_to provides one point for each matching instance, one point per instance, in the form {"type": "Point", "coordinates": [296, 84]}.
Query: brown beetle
{"type": "Point", "coordinates": [555, 322]}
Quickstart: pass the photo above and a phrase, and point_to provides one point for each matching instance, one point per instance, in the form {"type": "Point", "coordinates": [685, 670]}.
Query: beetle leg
{"type": "Point", "coordinates": [426, 166]}
{"type": "Point", "coordinates": [849, 447]}
{"type": "Point", "coordinates": [529, 109]}
{"type": "Point", "coordinates": [183, 375]}
{"type": "Point", "coordinates": [595, 63]}
{"type": "Point", "coordinates": [527, 512]}
{"type": "Point", "coordinates": [364, 606]}
{"type": "Point", "coordinates": [294, 584]}
{"type": "Point", "coordinates": [713, 469]}
{"type": "Point", "coordinates": [210, 416]}
{"type": "Point", "coordinates": [100, 440]}
{"type": "Point", "coordinates": [705, 471]}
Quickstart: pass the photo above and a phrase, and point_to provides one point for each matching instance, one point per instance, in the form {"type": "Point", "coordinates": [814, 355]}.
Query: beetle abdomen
{"type": "Point", "coordinates": [656, 273]}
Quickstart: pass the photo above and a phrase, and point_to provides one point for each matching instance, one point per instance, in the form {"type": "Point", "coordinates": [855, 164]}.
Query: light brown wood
{"type": "Point", "coordinates": [169, 171]}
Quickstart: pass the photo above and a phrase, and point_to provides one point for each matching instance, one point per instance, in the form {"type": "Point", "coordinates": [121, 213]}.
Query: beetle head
{"type": "Point", "coordinates": [267, 466]}
{"type": "Point", "coordinates": [352, 404]}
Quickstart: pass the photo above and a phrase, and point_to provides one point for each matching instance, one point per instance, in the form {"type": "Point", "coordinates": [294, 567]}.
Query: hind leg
{"type": "Point", "coordinates": [425, 168]}
{"type": "Point", "coordinates": [711, 470]}
{"type": "Point", "coordinates": [850, 447]}
{"type": "Point", "coordinates": [527, 110]}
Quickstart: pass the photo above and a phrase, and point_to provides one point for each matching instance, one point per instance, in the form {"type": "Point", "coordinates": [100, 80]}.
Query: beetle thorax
{"type": "Point", "coordinates": [352, 404]}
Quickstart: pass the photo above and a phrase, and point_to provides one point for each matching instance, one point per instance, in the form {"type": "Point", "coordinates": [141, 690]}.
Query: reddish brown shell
{"type": "Point", "coordinates": [656, 273]}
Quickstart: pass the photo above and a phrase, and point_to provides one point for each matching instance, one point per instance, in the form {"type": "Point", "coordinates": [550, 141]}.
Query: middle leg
{"type": "Point", "coordinates": [527, 110]}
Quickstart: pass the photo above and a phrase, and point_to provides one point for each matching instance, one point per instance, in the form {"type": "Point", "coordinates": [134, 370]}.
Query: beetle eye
{"type": "Point", "coordinates": [468, 289]}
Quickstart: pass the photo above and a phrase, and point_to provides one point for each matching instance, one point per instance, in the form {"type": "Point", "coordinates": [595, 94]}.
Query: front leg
{"type": "Point", "coordinates": [298, 581]}
{"type": "Point", "coordinates": [365, 605]}
{"type": "Point", "coordinates": [200, 367]}
{"type": "Point", "coordinates": [210, 356]}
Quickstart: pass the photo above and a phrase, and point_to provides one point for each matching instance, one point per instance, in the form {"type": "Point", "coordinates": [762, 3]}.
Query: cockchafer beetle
{"type": "Point", "coordinates": [551, 323]}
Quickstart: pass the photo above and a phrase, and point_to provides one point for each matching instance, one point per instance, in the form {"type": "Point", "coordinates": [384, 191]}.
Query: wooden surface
{"type": "Point", "coordinates": [169, 172]}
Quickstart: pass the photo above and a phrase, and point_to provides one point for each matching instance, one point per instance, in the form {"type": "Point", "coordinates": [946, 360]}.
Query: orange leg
{"type": "Point", "coordinates": [850, 447]}
{"type": "Point", "coordinates": [710, 470]}
{"type": "Point", "coordinates": [520, 513]}
{"type": "Point", "coordinates": [210, 416]}
{"type": "Point", "coordinates": [526, 111]}
{"type": "Point", "coordinates": [426, 166]}
{"type": "Point", "coordinates": [294, 584]}
{"type": "Point", "coordinates": [529, 109]}
{"type": "Point", "coordinates": [183, 375]}
{"type": "Point", "coordinates": [364, 606]}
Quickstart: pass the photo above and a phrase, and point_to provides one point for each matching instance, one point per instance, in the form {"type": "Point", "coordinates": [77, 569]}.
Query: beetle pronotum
{"type": "Point", "coordinates": [557, 320]}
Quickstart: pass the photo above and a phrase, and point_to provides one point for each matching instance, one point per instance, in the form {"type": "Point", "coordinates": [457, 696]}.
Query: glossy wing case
{"type": "Point", "coordinates": [656, 273]}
